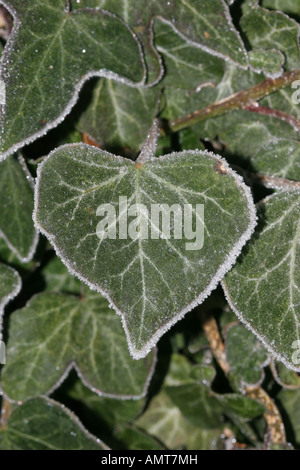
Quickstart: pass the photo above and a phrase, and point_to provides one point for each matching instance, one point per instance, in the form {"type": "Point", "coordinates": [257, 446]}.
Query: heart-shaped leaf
{"type": "Point", "coordinates": [263, 288]}
{"type": "Point", "coordinates": [51, 52]}
{"type": "Point", "coordinates": [55, 332]}
{"type": "Point", "coordinates": [150, 271]}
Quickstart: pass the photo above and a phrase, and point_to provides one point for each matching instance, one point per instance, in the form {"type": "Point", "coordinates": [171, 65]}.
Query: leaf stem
{"type": "Point", "coordinates": [243, 100]}
{"type": "Point", "coordinates": [272, 182]}
{"type": "Point", "coordinates": [216, 344]}
{"type": "Point", "coordinates": [5, 413]}
{"type": "Point", "coordinates": [272, 415]}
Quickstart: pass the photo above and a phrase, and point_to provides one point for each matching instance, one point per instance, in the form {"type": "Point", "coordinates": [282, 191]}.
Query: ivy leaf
{"type": "Point", "coordinates": [263, 287]}
{"type": "Point", "coordinates": [273, 30]}
{"type": "Point", "coordinates": [246, 357]}
{"type": "Point", "coordinates": [152, 282]}
{"type": "Point", "coordinates": [16, 195]}
{"type": "Point", "coordinates": [49, 55]}
{"type": "Point", "coordinates": [268, 61]}
{"type": "Point", "coordinates": [197, 404]}
{"type": "Point", "coordinates": [164, 420]}
{"type": "Point", "coordinates": [118, 116]}
{"type": "Point", "coordinates": [44, 424]}
{"type": "Point", "coordinates": [278, 157]}
{"type": "Point", "coordinates": [111, 411]}
{"type": "Point", "coordinates": [287, 6]}
{"type": "Point", "coordinates": [56, 332]}
{"type": "Point", "coordinates": [10, 286]}
{"type": "Point", "coordinates": [187, 66]}
{"type": "Point", "coordinates": [285, 377]}
{"type": "Point", "coordinates": [210, 26]}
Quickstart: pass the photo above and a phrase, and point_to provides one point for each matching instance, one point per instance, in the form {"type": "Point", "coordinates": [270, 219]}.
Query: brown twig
{"type": "Point", "coordinates": [275, 113]}
{"type": "Point", "coordinates": [273, 182]}
{"type": "Point", "coordinates": [216, 344]}
{"type": "Point", "coordinates": [272, 415]}
{"type": "Point", "coordinates": [243, 100]}
{"type": "Point", "coordinates": [5, 413]}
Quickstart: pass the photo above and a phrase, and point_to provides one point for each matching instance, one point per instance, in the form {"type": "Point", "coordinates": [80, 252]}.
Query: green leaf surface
{"type": "Point", "coordinates": [16, 196]}
{"type": "Point", "coordinates": [10, 286]}
{"type": "Point", "coordinates": [110, 410]}
{"type": "Point", "coordinates": [287, 6]}
{"type": "Point", "coordinates": [43, 424]}
{"type": "Point", "coordinates": [187, 66]}
{"type": "Point", "coordinates": [133, 438]}
{"type": "Point", "coordinates": [164, 420]}
{"type": "Point", "coordinates": [210, 25]}
{"type": "Point", "coordinates": [49, 55]}
{"type": "Point", "coordinates": [285, 377]}
{"type": "Point", "coordinates": [118, 116]}
{"type": "Point", "coordinates": [197, 404]}
{"type": "Point", "coordinates": [269, 62]}
{"type": "Point", "coordinates": [290, 402]}
{"type": "Point", "coordinates": [278, 157]}
{"type": "Point", "coordinates": [267, 29]}
{"type": "Point", "coordinates": [263, 287]}
{"type": "Point", "coordinates": [246, 357]}
{"type": "Point", "coordinates": [152, 282]}
{"type": "Point", "coordinates": [240, 406]}
{"type": "Point", "coordinates": [56, 332]}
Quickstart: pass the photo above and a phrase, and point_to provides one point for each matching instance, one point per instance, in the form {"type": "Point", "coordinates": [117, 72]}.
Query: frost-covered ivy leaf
{"type": "Point", "coordinates": [8, 257]}
{"type": "Point", "coordinates": [278, 157]}
{"type": "Point", "coordinates": [16, 196]}
{"type": "Point", "coordinates": [58, 279]}
{"type": "Point", "coordinates": [246, 356]}
{"type": "Point", "coordinates": [287, 6]}
{"type": "Point", "coordinates": [55, 332]}
{"type": "Point", "coordinates": [44, 424]}
{"type": "Point", "coordinates": [118, 116]}
{"type": "Point", "coordinates": [49, 55]}
{"type": "Point", "coordinates": [10, 286]}
{"type": "Point", "coordinates": [186, 65]}
{"type": "Point", "coordinates": [269, 62]}
{"type": "Point", "coordinates": [164, 420]}
{"type": "Point", "coordinates": [151, 277]}
{"type": "Point", "coordinates": [267, 29]}
{"type": "Point", "coordinates": [205, 23]}
{"type": "Point", "coordinates": [263, 288]}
